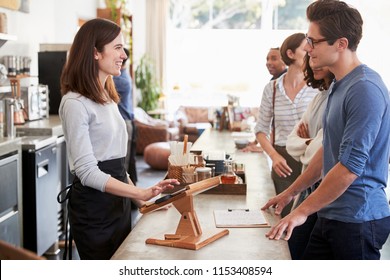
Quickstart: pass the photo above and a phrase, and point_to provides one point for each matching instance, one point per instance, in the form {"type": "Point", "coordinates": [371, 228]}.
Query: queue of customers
{"type": "Point", "coordinates": [329, 177]}
{"type": "Point", "coordinates": [347, 214]}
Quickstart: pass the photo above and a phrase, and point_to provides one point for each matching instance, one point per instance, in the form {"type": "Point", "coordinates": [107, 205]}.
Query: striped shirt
{"type": "Point", "coordinates": [287, 112]}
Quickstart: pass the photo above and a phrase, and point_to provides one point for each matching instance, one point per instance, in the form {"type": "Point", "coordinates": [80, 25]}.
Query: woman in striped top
{"type": "Point", "coordinates": [283, 103]}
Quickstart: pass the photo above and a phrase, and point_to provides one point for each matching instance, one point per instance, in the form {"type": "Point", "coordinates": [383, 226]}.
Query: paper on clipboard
{"type": "Point", "coordinates": [240, 218]}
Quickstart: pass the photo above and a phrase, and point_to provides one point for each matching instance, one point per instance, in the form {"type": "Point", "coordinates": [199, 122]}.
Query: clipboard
{"type": "Point", "coordinates": [240, 218]}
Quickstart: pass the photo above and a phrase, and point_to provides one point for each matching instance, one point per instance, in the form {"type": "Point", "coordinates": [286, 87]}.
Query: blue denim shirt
{"type": "Point", "coordinates": [356, 134]}
{"type": "Point", "coordinates": [123, 85]}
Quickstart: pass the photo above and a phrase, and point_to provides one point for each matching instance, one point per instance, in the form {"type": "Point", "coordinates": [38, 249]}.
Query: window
{"type": "Point", "coordinates": [238, 14]}
{"type": "Point", "coordinates": [218, 47]}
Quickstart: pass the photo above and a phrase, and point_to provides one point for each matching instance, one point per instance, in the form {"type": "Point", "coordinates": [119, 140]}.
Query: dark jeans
{"type": "Point", "coordinates": [334, 240]}
{"type": "Point", "coordinates": [131, 151]}
{"type": "Point", "coordinates": [132, 169]}
{"type": "Point", "coordinates": [300, 237]}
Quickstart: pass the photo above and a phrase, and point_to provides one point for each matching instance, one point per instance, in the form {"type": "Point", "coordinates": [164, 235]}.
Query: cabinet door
{"type": "Point", "coordinates": [9, 183]}
{"type": "Point", "coordinates": [46, 198]}
{"type": "Point", "coordinates": [9, 214]}
{"type": "Point", "coordinates": [9, 228]}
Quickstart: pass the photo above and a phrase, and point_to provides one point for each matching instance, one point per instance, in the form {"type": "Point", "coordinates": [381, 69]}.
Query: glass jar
{"type": "Point", "coordinates": [203, 173]}
{"type": "Point", "coordinates": [190, 177]}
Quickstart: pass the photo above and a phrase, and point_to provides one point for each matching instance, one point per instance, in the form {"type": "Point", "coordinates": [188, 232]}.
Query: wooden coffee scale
{"type": "Point", "coordinates": [189, 234]}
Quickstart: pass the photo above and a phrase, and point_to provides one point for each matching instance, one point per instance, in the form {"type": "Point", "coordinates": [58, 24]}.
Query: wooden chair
{"type": "Point", "coordinates": [192, 121]}
{"type": "Point", "coordinates": [150, 130]}
{"type": "Point", "coordinates": [12, 252]}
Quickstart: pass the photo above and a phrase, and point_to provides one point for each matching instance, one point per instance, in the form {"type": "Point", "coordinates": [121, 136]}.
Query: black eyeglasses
{"type": "Point", "coordinates": [312, 41]}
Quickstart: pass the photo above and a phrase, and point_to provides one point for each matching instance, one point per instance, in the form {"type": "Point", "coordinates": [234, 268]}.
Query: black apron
{"type": "Point", "coordinates": [99, 221]}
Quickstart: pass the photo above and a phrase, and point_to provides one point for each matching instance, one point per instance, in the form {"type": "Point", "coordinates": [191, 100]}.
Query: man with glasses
{"type": "Point", "coordinates": [353, 211]}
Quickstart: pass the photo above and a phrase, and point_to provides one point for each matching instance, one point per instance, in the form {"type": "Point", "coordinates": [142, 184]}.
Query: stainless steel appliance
{"type": "Point", "coordinates": [40, 188]}
{"type": "Point", "coordinates": [8, 118]}
{"type": "Point", "coordinates": [10, 223]}
{"type": "Point", "coordinates": [36, 101]}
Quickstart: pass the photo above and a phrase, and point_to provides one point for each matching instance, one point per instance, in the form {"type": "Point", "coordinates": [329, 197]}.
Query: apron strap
{"type": "Point", "coordinates": [68, 239]}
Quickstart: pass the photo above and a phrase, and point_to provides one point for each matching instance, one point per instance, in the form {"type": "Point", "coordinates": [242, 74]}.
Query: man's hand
{"type": "Point", "coordinates": [286, 226]}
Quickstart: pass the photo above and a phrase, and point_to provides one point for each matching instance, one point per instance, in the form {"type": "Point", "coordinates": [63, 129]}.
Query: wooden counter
{"type": "Point", "coordinates": [240, 243]}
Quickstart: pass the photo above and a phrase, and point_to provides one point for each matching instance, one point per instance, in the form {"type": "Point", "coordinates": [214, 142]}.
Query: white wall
{"type": "Point", "coordinates": [48, 22]}
{"type": "Point", "coordinates": [56, 21]}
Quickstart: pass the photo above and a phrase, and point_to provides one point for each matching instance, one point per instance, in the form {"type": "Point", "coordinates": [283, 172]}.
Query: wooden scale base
{"type": "Point", "coordinates": [188, 233]}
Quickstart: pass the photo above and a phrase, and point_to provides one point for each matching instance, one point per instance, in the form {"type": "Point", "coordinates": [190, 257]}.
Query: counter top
{"type": "Point", "coordinates": [45, 127]}
{"type": "Point", "coordinates": [37, 142]}
{"type": "Point", "coordinates": [240, 243]}
{"type": "Point", "coordinates": [8, 145]}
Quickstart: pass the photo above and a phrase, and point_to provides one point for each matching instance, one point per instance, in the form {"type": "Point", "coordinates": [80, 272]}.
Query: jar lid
{"type": "Point", "coordinates": [203, 169]}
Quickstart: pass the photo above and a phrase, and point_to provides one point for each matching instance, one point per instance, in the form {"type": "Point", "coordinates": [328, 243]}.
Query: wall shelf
{"type": "Point", "coordinates": [6, 37]}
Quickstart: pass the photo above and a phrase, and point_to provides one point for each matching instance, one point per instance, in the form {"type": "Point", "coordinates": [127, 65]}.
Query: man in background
{"type": "Point", "coordinates": [275, 64]}
{"type": "Point", "coordinates": [276, 68]}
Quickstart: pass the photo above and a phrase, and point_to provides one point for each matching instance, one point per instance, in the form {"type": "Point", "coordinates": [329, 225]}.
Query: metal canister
{"type": "Point", "coordinates": [9, 127]}
{"type": "Point", "coordinates": [203, 173]}
{"type": "Point", "coordinates": [19, 64]}
{"type": "Point", "coordinates": [11, 64]}
{"type": "Point", "coordinates": [26, 65]}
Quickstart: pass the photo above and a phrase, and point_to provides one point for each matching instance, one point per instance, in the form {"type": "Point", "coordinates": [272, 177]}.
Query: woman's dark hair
{"type": "Point", "coordinates": [81, 72]}
{"type": "Point", "coordinates": [292, 42]}
{"type": "Point", "coordinates": [336, 19]}
{"type": "Point", "coordinates": [309, 76]}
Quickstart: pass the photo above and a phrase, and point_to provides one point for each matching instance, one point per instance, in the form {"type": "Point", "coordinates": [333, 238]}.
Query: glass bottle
{"type": "Point", "coordinates": [228, 176]}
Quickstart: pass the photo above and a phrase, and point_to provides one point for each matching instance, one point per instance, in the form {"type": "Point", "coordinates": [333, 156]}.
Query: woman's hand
{"type": "Point", "coordinates": [278, 202]}
{"type": "Point", "coordinates": [280, 166]}
{"type": "Point", "coordinates": [253, 148]}
{"type": "Point", "coordinates": [303, 130]}
{"type": "Point", "coordinates": [159, 188]}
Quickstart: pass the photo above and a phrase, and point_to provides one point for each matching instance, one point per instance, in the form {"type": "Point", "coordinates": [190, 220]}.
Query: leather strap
{"type": "Point", "coordinates": [273, 115]}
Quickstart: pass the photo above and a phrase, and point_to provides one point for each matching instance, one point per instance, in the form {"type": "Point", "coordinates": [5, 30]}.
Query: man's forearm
{"type": "Point", "coordinates": [333, 185]}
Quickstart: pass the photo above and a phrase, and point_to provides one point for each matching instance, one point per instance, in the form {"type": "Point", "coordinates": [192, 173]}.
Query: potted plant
{"type": "Point", "coordinates": [113, 11]}
{"type": "Point", "coordinates": [116, 8]}
{"type": "Point", "coordinates": [146, 82]}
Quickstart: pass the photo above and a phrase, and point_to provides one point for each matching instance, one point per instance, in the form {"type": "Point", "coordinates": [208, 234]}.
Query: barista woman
{"type": "Point", "coordinates": [96, 138]}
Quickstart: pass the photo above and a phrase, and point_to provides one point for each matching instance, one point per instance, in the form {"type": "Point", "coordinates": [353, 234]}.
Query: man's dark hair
{"type": "Point", "coordinates": [336, 19]}
{"type": "Point", "coordinates": [127, 54]}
